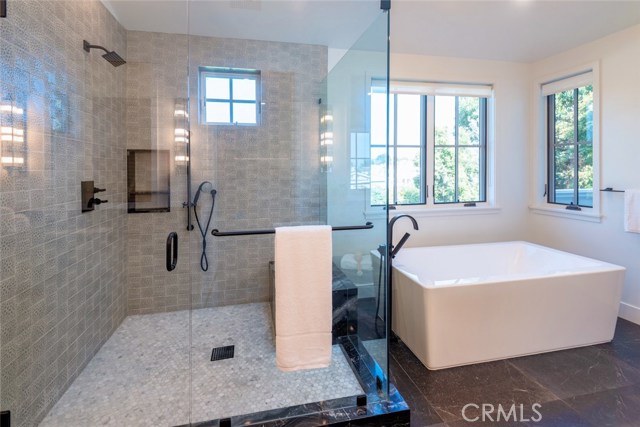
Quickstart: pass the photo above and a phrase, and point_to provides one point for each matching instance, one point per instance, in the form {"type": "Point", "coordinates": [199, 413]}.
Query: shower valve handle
{"type": "Point", "coordinates": [98, 190]}
{"type": "Point", "coordinates": [95, 201]}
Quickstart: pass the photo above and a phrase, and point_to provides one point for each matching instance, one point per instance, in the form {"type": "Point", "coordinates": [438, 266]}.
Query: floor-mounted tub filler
{"type": "Point", "coordinates": [465, 304]}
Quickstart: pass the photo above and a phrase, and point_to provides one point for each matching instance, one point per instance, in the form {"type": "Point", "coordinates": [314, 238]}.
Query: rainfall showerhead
{"type": "Point", "coordinates": [113, 58]}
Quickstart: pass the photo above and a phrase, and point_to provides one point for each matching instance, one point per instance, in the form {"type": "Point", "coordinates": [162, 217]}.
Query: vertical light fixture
{"type": "Point", "coordinates": [181, 132]}
{"type": "Point", "coordinates": [326, 139]}
{"type": "Point", "coordinates": [12, 135]}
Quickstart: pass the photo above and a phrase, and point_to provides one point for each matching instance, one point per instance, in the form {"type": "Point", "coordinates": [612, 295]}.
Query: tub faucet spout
{"type": "Point", "coordinates": [393, 250]}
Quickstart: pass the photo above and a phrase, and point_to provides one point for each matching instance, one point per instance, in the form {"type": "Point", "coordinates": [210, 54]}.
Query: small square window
{"type": "Point", "coordinates": [229, 96]}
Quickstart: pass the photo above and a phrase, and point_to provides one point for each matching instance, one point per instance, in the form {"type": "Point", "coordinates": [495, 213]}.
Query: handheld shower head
{"type": "Point", "coordinates": [112, 57]}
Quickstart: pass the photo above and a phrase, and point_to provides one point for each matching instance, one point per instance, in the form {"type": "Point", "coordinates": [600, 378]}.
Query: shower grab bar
{"type": "Point", "coordinates": [218, 233]}
{"type": "Point", "coordinates": [611, 190]}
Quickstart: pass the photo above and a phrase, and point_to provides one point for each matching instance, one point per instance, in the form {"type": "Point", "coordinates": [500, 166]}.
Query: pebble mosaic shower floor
{"type": "Point", "coordinates": [140, 377]}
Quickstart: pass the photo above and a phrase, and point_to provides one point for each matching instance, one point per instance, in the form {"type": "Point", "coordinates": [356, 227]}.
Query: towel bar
{"type": "Point", "coordinates": [218, 233]}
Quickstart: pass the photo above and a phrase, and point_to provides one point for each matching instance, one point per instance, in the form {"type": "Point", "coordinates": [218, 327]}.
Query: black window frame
{"type": "Point", "coordinates": [482, 146]}
{"type": "Point", "coordinates": [551, 150]}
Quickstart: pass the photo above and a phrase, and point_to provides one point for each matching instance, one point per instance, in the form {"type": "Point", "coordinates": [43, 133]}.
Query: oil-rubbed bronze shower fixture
{"type": "Point", "coordinates": [113, 58]}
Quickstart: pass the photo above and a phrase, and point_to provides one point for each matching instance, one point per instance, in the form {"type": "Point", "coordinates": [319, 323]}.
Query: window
{"type": "Point", "coordinates": [229, 96]}
{"type": "Point", "coordinates": [570, 146]}
{"type": "Point", "coordinates": [460, 149]}
{"type": "Point", "coordinates": [437, 140]}
{"type": "Point", "coordinates": [567, 134]}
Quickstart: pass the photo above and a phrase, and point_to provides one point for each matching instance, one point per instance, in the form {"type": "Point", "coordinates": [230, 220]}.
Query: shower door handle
{"type": "Point", "coordinates": [172, 251]}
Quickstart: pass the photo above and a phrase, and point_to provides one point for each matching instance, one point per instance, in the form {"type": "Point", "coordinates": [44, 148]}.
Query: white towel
{"type": "Point", "coordinates": [632, 211]}
{"type": "Point", "coordinates": [303, 297]}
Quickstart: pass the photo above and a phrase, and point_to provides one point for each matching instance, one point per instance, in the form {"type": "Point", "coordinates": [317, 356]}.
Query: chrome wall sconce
{"type": "Point", "coordinates": [326, 139]}
{"type": "Point", "coordinates": [13, 150]}
{"type": "Point", "coordinates": [181, 132]}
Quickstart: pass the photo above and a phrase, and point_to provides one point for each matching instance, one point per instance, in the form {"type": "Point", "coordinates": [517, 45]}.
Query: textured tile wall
{"type": "Point", "coordinates": [156, 80]}
{"type": "Point", "coordinates": [62, 273]}
{"type": "Point", "coordinates": [265, 176]}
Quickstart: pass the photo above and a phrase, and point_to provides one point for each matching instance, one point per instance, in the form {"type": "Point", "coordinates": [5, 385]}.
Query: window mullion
{"type": "Point", "coordinates": [455, 172]}
{"type": "Point", "coordinates": [231, 101]}
{"type": "Point", "coordinates": [395, 149]}
{"type": "Point", "coordinates": [575, 150]}
{"type": "Point", "coordinates": [482, 181]}
{"type": "Point", "coordinates": [430, 116]}
{"type": "Point", "coordinates": [551, 149]}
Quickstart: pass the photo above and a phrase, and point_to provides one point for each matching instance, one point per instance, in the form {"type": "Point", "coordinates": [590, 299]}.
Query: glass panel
{"type": "Point", "coordinates": [244, 89]}
{"type": "Point", "coordinates": [378, 118]}
{"type": "Point", "coordinates": [468, 174]}
{"type": "Point", "coordinates": [218, 112]}
{"type": "Point", "coordinates": [356, 108]}
{"type": "Point", "coordinates": [585, 175]}
{"type": "Point", "coordinates": [585, 114]}
{"type": "Point", "coordinates": [564, 116]}
{"type": "Point", "coordinates": [99, 300]}
{"type": "Point", "coordinates": [244, 113]}
{"type": "Point", "coordinates": [217, 88]}
{"type": "Point", "coordinates": [564, 174]}
{"type": "Point", "coordinates": [445, 120]}
{"type": "Point", "coordinates": [409, 176]}
{"type": "Point", "coordinates": [409, 120]}
{"type": "Point", "coordinates": [444, 186]}
{"type": "Point", "coordinates": [94, 330]}
{"type": "Point", "coordinates": [468, 121]}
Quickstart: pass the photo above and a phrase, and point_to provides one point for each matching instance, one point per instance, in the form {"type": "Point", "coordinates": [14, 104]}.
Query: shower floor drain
{"type": "Point", "coordinates": [221, 353]}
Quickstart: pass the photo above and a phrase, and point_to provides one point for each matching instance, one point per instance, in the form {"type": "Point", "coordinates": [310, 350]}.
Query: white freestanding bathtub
{"type": "Point", "coordinates": [458, 305]}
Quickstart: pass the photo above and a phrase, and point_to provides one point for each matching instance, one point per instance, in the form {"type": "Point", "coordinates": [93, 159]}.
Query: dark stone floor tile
{"type": "Point", "coordinates": [464, 376]}
{"type": "Point", "coordinates": [628, 352]}
{"type": "Point", "coordinates": [610, 408]}
{"type": "Point", "coordinates": [557, 414]}
{"type": "Point", "coordinates": [578, 371]}
{"type": "Point", "coordinates": [449, 390]}
{"type": "Point", "coordinates": [626, 331]}
{"type": "Point", "coordinates": [422, 413]}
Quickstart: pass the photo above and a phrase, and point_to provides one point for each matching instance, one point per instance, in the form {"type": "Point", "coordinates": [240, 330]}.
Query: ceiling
{"type": "Point", "coordinates": [515, 30]}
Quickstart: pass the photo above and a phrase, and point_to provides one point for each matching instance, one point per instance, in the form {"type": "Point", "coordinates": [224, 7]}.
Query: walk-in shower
{"type": "Point", "coordinates": [142, 312]}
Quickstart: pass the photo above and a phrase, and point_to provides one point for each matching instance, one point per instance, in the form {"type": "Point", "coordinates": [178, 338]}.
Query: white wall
{"type": "Point", "coordinates": [619, 58]}
{"type": "Point", "coordinates": [512, 87]}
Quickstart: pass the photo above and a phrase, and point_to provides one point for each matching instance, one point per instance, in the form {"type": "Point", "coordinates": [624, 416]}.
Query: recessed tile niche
{"type": "Point", "coordinates": [148, 186]}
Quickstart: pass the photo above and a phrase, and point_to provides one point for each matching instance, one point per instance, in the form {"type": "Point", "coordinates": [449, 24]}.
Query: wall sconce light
{"type": "Point", "coordinates": [181, 132]}
{"type": "Point", "coordinates": [12, 135]}
{"type": "Point", "coordinates": [326, 139]}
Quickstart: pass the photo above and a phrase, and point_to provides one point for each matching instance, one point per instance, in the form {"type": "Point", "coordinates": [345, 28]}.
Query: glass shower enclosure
{"type": "Point", "coordinates": [134, 289]}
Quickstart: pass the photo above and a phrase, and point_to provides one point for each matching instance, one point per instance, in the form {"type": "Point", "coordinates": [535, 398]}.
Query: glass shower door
{"type": "Point", "coordinates": [262, 113]}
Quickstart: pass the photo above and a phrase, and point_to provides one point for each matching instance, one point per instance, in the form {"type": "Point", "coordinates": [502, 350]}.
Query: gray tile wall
{"type": "Point", "coordinates": [62, 273]}
{"type": "Point", "coordinates": [265, 176]}
{"type": "Point", "coordinates": [156, 80]}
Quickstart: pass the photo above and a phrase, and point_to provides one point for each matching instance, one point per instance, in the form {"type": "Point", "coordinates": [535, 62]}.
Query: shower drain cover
{"type": "Point", "coordinates": [221, 353]}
